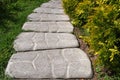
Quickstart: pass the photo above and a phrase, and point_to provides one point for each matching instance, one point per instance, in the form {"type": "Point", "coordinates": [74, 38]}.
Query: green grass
{"type": "Point", "coordinates": [11, 29]}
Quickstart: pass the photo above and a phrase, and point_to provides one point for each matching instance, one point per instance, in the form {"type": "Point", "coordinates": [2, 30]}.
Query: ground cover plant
{"type": "Point", "coordinates": [99, 21]}
{"type": "Point", "coordinates": [13, 13]}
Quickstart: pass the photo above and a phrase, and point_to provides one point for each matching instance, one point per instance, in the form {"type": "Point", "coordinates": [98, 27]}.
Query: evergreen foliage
{"type": "Point", "coordinates": [100, 19]}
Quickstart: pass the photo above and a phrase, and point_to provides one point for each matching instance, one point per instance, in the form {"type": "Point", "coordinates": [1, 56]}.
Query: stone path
{"type": "Point", "coordinates": [47, 49]}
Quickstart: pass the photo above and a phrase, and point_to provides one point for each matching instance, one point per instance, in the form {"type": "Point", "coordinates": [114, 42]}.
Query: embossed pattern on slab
{"type": "Point", "coordinates": [28, 41]}
{"type": "Point", "coordinates": [47, 17]}
{"type": "Point", "coordinates": [57, 27]}
{"type": "Point", "coordinates": [57, 63]}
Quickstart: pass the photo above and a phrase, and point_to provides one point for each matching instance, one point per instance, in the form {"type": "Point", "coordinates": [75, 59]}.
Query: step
{"type": "Point", "coordinates": [50, 79]}
{"type": "Point", "coordinates": [59, 63]}
{"type": "Point", "coordinates": [58, 27]}
{"type": "Point", "coordinates": [36, 17]}
{"type": "Point", "coordinates": [55, 1]}
{"type": "Point", "coordinates": [28, 41]}
{"type": "Point", "coordinates": [52, 4]}
{"type": "Point", "coordinates": [49, 10]}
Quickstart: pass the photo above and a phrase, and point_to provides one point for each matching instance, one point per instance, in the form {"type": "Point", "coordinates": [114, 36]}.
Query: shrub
{"type": "Point", "coordinates": [100, 19]}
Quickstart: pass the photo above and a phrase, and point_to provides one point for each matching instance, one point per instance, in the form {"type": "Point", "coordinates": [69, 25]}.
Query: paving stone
{"type": "Point", "coordinates": [52, 4]}
{"type": "Point", "coordinates": [49, 10]}
{"type": "Point", "coordinates": [50, 64]}
{"type": "Point", "coordinates": [56, 1]}
{"type": "Point", "coordinates": [47, 17]}
{"type": "Point", "coordinates": [23, 45]}
{"type": "Point", "coordinates": [44, 41]}
{"type": "Point", "coordinates": [65, 27]}
{"type": "Point", "coordinates": [50, 79]}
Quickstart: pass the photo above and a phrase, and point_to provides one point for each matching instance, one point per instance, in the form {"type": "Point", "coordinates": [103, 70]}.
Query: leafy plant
{"type": "Point", "coordinates": [100, 19]}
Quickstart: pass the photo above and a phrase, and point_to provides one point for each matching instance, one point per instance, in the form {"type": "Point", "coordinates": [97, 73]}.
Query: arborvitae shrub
{"type": "Point", "coordinates": [101, 20]}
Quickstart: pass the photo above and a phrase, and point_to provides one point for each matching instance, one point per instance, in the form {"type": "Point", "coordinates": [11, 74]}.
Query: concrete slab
{"type": "Point", "coordinates": [28, 41]}
{"type": "Point", "coordinates": [36, 17]}
{"type": "Point", "coordinates": [48, 10]}
{"type": "Point", "coordinates": [58, 27]}
{"type": "Point", "coordinates": [52, 4]}
{"type": "Point", "coordinates": [45, 79]}
{"type": "Point", "coordinates": [58, 63]}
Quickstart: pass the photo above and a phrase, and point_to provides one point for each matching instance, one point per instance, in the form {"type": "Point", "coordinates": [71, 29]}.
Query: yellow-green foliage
{"type": "Point", "coordinates": [101, 20]}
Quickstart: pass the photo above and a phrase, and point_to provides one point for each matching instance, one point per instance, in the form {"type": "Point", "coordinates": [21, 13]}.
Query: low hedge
{"type": "Point", "coordinates": [100, 20]}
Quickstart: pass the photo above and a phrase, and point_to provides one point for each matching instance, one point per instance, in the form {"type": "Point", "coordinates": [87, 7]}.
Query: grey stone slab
{"type": "Point", "coordinates": [26, 35]}
{"type": "Point", "coordinates": [55, 1]}
{"type": "Point", "coordinates": [44, 41]}
{"type": "Point", "coordinates": [24, 58]}
{"type": "Point", "coordinates": [52, 4]}
{"type": "Point", "coordinates": [36, 17]}
{"type": "Point", "coordinates": [50, 79]}
{"type": "Point", "coordinates": [49, 10]}
{"type": "Point", "coordinates": [43, 66]}
{"type": "Point", "coordinates": [59, 64]}
{"type": "Point", "coordinates": [50, 64]}
{"type": "Point", "coordinates": [73, 57]}
{"type": "Point", "coordinates": [23, 45]}
{"type": "Point", "coordinates": [80, 67]}
{"type": "Point", "coordinates": [65, 27]}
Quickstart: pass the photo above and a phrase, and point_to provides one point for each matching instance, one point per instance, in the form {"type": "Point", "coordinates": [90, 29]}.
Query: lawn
{"type": "Point", "coordinates": [11, 21]}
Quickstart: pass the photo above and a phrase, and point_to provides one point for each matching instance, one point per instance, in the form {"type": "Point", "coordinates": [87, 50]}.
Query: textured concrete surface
{"type": "Point", "coordinates": [49, 10]}
{"type": "Point", "coordinates": [57, 63]}
{"type": "Point", "coordinates": [57, 27]}
{"type": "Point", "coordinates": [35, 17]}
{"type": "Point", "coordinates": [50, 79]}
{"type": "Point", "coordinates": [35, 41]}
{"type": "Point", "coordinates": [52, 4]}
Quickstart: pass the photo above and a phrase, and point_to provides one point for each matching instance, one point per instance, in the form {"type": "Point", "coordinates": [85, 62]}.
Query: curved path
{"type": "Point", "coordinates": [47, 49]}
